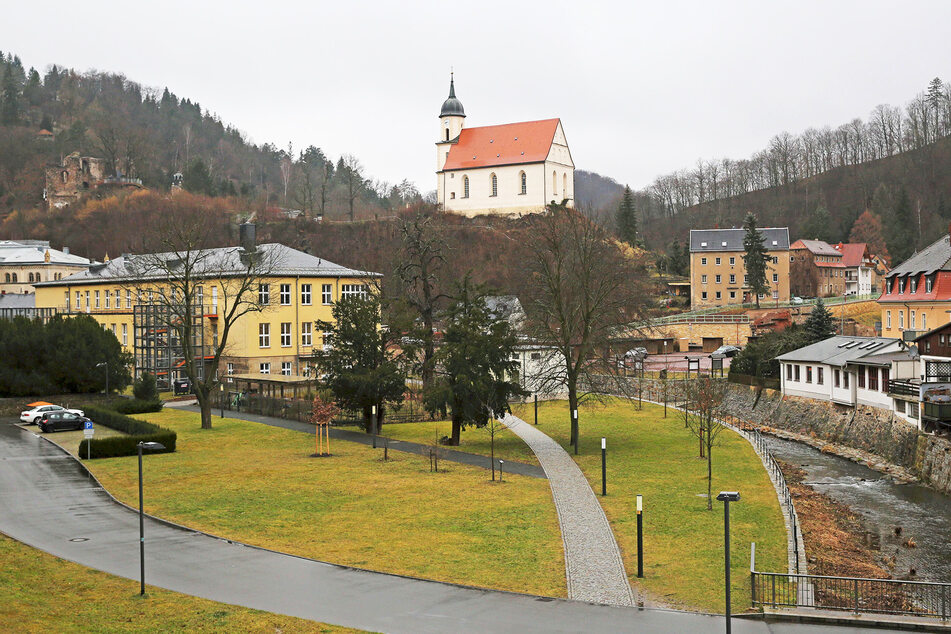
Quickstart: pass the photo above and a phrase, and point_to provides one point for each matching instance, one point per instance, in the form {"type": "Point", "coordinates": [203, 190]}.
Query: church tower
{"type": "Point", "coordinates": [451, 120]}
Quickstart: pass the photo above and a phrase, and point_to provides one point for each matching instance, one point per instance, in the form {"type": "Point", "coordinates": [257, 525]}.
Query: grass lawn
{"type": "Point", "coordinates": [683, 542]}
{"type": "Point", "coordinates": [48, 594]}
{"type": "Point", "coordinates": [259, 485]}
{"type": "Point", "coordinates": [508, 446]}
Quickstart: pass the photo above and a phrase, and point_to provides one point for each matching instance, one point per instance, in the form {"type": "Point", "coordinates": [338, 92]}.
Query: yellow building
{"type": "Point", "coordinates": [23, 263]}
{"type": "Point", "coordinates": [279, 336]}
{"type": "Point", "coordinates": [916, 294]}
{"type": "Point", "coordinates": [718, 275]}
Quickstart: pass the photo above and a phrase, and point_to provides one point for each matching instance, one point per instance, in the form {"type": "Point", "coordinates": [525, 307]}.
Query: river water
{"type": "Point", "coordinates": [923, 514]}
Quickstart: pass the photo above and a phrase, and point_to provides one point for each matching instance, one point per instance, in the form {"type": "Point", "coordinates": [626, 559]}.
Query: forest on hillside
{"type": "Point", "coordinates": [151, 134]}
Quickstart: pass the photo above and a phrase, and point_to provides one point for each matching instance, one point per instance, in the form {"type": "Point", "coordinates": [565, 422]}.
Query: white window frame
{"type": "Point", "coordinates": [264, 335]}
{"type": "Point", "coordinates": [264, 294]}
{"type": "Point", "coordinates": [286, 368]}
{"type": "Point", "coordinates": [125, 334]}
{"type": "Point", "coordinates": [327, 294]}
{"type": "Point", "coordinates": [285, 294]}
{"type": "Point", "coordinates": [286, 334]}
{"type": "Point", "coordinates": [305, 294]}
{"type": "Point", "coordinates": [353, 290]}
{"type": "Point", "coordinates": [306, 333]}
{"type": "Point", "coordinates": [265, 368]}
{"type": "Point", "coordinates": [97, 300]}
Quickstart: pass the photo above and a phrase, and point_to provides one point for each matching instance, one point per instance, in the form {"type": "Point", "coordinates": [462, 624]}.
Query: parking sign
{"type": "Point", "coordinates": [88, 430]}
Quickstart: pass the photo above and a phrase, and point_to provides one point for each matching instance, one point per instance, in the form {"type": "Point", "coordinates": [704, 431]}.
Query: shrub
{"type": "Point", "coordinates": [138, 430]}
{"type": "Point", "coordinates": [145, 389]}
{"type": "Point", "coordinates": [136, 406]}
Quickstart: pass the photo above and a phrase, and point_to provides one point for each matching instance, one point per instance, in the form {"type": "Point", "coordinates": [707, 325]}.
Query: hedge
{"type": "Point", "coordinates": [138, 430]}
{"type": "Point", "coordinates": [135, 406]}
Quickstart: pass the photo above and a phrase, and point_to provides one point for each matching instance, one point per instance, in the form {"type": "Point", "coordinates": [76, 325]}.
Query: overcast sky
{"type": "Point", "coordinates": [641, 88]}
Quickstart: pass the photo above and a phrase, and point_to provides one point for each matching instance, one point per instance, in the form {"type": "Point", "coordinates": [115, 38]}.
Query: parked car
{"type": "Point", "coordinates": [32, 416]}
{"type": "Point", "coordinates": [727, 351]}
{"type": "Point", "coordinates": [636, 353]}
{"type": "Point", "coordinates": [62, 421]}
{"type": "Point", "coordinates": [796, 301]}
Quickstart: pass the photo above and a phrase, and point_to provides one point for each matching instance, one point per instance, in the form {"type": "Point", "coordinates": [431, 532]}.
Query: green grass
{"type": "Point", "coordinates": [42, 593]}
{"type": "Point", "coordinates": [683, 541]}
{"type": "Point", "coordinates": [69, 440]}
{"type": "Point", "coordinates": [259, 485]}
{"type": "Point", "coordinates": [508, 446]}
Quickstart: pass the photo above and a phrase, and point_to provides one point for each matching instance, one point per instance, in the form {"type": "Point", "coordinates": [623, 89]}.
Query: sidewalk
{"type": "Point", "coordinates": [593, 563]}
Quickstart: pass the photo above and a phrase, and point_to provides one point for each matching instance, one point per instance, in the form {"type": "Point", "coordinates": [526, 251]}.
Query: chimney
{"type": "Point", "coordinates": [246, 236]}
{"type": "Point", "coordinates": [66, 250]}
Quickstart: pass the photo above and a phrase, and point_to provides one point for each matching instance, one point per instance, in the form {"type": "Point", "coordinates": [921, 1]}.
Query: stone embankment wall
{"type": "Point", "coordinates": [863, 429]}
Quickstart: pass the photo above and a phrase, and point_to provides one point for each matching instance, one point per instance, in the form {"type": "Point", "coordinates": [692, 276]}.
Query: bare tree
{"type": "Point", "coordinates": [706, 395]}
{"type": "Point", "coordinates": [581, 290]}
{"type": "Point", "coordinates": [353, 182]}
{"type": "Point", "coordinates": [494, 427]}
{"type": "Point", "coordinates": [420, 264]}
{"type": "Point", "coordinates": [173, 283]}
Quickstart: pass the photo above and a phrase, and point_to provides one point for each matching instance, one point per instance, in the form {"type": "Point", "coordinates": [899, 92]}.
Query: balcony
{"type": "Point", "coordinates": [904, 387]}
{"type": "Point", "coordinates": [937, 411]}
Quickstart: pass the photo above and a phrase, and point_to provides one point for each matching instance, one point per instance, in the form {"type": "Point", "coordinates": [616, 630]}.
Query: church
{"type": "Point", "coordinates": [509, 169]}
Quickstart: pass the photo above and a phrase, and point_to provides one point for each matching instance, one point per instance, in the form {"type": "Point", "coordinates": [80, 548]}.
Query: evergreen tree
{"type": "Point", "coordinates": [360, 370]}
{"type": "Point", "coordinates": [197, 179]}
{"type": "Point", "coordinates": [901, 233]}
{"type": "Point", "coordinates": [46, 123]}
{"type": "Point", "coordinates": [477, 376]}
{"type": "Point", "coordinates": [9, 98]}
{"type": "Point", "coordinates": [820, 325]}
{"type": "Point", "coordinates": [627, 218]}
{"type": "Point", "coordinates": [818, 226]}
{"type": "Point", "coordinates": [755, 257]}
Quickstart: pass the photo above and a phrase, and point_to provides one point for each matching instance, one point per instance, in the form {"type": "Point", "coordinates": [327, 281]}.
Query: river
{"type": "Point", "coordinates": [923, 514]}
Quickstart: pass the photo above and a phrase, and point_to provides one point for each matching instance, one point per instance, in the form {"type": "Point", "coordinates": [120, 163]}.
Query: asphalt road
{"type": "Point", "coordinates": [48, 500]}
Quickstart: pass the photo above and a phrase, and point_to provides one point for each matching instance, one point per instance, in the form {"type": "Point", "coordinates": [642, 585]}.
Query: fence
{"type": "Point", "coordinates": [854, 594]}
{"type": "Point", "coordinates": [411, 411]}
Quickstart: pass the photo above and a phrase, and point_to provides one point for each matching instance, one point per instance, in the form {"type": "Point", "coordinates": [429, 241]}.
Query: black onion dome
{"type": "Point", "coordinates": [452, 107]}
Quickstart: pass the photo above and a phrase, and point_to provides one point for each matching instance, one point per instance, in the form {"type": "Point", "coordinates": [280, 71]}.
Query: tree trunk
{"type": "Point", "coordinates": [492, 453]}
{"type": "Point", "coordinates": [204, 403]}
{"type": "Point", "coordinates": [456, 431]}
{"type": "Point", "coordinates": [572, 408]}
{"type": "Point", "coordinates": [709, 467]}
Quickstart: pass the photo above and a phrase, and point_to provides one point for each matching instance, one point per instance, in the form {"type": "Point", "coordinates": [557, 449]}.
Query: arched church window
{"type": "Point", "coordinates": [31, 277]}
{"type": "Point", "coordinates": [495, 184]}
{"type": "Point", "coordinates": [14, 277]}
{"type": "Point", "coordinates": [564, 186]}
{"type": "Point", "coordinates": [465, 186]}
{"type": "Point", "coordinates": [523, 182]}
{"type": "Point", "coordinates": [447, 134]}
{"type": "Point", "coordinates": [8, 277]}
{"type": "Point", "coordinates": [554, 183]}
{"type": "Point", "coordinates": [65, 176]}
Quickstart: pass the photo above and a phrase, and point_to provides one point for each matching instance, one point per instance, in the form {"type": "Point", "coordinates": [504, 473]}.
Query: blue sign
{"type": "Point", "coordinates": [88, 425]}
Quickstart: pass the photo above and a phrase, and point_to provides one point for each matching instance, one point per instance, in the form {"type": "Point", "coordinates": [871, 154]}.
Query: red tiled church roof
{"type": "Point", "coordinates": [508, 144]}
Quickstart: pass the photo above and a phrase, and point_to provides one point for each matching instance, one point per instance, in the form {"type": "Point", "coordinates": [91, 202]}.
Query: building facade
{"type": "Point", "coordinates": [816, 268]}
{"type": "Point", "coordinates": [861, 269]}
{"type": "Point", "coordinates": [77, 177]}
{"type": "Point", "coordinates": [511, 169]}
{"type": "Point", "coordinates": [916, 294]}
{"type": "Point", "coordinates": [279, 337]}
{"type": "Point", "coordinates": [24, 263]}
{"type": "Point", "coordinates": [718, 274]}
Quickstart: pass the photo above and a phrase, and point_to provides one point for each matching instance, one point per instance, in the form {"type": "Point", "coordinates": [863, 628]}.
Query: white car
{"type": "Point", "coordinates": [31, 416]}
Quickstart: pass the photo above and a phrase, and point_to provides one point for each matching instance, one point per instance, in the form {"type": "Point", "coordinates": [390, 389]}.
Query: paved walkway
{"type": "Point", "coordinates": [452, 455]}
{"type": "Point", "coordinates": [593, 563]}
{"type": "Point", "coordinates": [47, 500]}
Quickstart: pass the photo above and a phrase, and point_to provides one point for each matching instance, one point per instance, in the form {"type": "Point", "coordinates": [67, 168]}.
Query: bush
{"type": "Point", "coordinates": [138, 430]}
{"type": "Point", "coordinates": [145, 389]}
{"type": "Point", "coordinates": [136, 406]}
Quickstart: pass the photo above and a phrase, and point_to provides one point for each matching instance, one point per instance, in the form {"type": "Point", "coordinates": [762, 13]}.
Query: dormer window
{"type": "Point", "coordinates": [913, 285]}
{"type": "Point", "coordinates": [703, 244]}
{"type": "Point", "coordinates": [723, 244]}
{"type": "Point", "coordinates": [901, 285]}
{"type": "Point", "coordinates": [927, 284]}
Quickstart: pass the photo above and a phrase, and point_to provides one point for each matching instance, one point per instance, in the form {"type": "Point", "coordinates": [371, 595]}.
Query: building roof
{"type": "Point", "coordinates": [507, 144]}
{"type": "Point", "coordinates": [703, 240]}
{"type": "Point", "coordinates": [853, 254]}
{"type": "Point", "coordinates": [452, 107]}
{"type": "Point", "coordinates": [839, 350]}
{"type": "Point", "coordinates": [220, 262]}
{"type": "Point", "coordinates": [886, 358]}
{"type": "Point", "coordinates": [34, 252]}
{"type": "Point", "coordinates": [817, 247]}
{"type": "Point", "coordinates": [18, 300]}
{"type": "Point", "coordinates": [934, 257]}
{"type": "Point", "coordinates": [933, 331]}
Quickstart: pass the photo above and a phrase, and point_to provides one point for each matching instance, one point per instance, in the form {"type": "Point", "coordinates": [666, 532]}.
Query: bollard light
{"type": "Point", "coordinates": [604, 468]}
{"type": "Point", "coordinates": [640, 536]}
{"type": "Point", "coordinates": [146, 446]}
{"type": "Point", "coordinates": [726, 497]}
{"type": "Point", "coordinates": [373, 423]}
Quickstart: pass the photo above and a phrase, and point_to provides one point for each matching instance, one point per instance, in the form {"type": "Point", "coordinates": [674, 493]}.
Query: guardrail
{"type": "Point", "coordinates": [853, 594]}
{"type": "Point", "coordinates": [903, 387]}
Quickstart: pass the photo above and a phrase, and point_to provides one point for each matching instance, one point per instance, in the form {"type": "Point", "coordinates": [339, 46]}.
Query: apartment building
{"type": "Point", "coordinates": [717, 272]}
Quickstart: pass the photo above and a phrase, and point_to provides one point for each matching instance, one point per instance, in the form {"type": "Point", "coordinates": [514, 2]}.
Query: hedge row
{"type": "Point", "coordinates": [138, 430]}
{"type": "Point", "coordinates": [135, 406]}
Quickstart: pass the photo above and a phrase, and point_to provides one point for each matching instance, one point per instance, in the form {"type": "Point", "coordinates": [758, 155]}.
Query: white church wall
{"type": "Point", "coordinates": [509, 200]}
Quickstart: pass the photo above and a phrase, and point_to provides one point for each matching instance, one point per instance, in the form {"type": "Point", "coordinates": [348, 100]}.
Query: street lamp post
{"type": "Point", "coordinates": [604, 467]}
{"type": "Point", "coordinates": [640, 537]}
{"type": "Point", "coordinates": [726, 497]}
{"type": "Point", "coordinates": [373, 423]}
{"type": "Point", "coordinates": [105, 364]}
{"type": "Point", "coordinates": [149, 446]}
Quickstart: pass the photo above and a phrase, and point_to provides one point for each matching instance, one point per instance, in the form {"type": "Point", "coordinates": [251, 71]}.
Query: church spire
{"type": "Point", "coordinates": [452, 85]}
{"type": "Point", "coordinates": [452, 107]}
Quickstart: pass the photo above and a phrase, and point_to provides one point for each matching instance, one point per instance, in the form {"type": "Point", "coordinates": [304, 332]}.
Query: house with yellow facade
{"type": "Point", "coordinates": [718, 274]}
{"type": "Point", "coordinates": [277, 336]}
{"type": "Point", "coordinates": [916, 294]}
{"type": "Point", "coordinates": [23, 263]}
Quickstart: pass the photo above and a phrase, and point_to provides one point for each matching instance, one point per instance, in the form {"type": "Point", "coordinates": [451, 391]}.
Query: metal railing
{"type": "Point", "coordinates": [853, 594]}
{"type": "Point", "coordinates": [904, 387]}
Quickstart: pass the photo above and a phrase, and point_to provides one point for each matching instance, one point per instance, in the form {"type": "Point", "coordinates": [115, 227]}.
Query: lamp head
{"type": "Point", "coordinates": [640, 503]}
{"type": "Point", "coordinates": [604, 443]}
{"type": "Point", "coordinates": [729, 496]}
